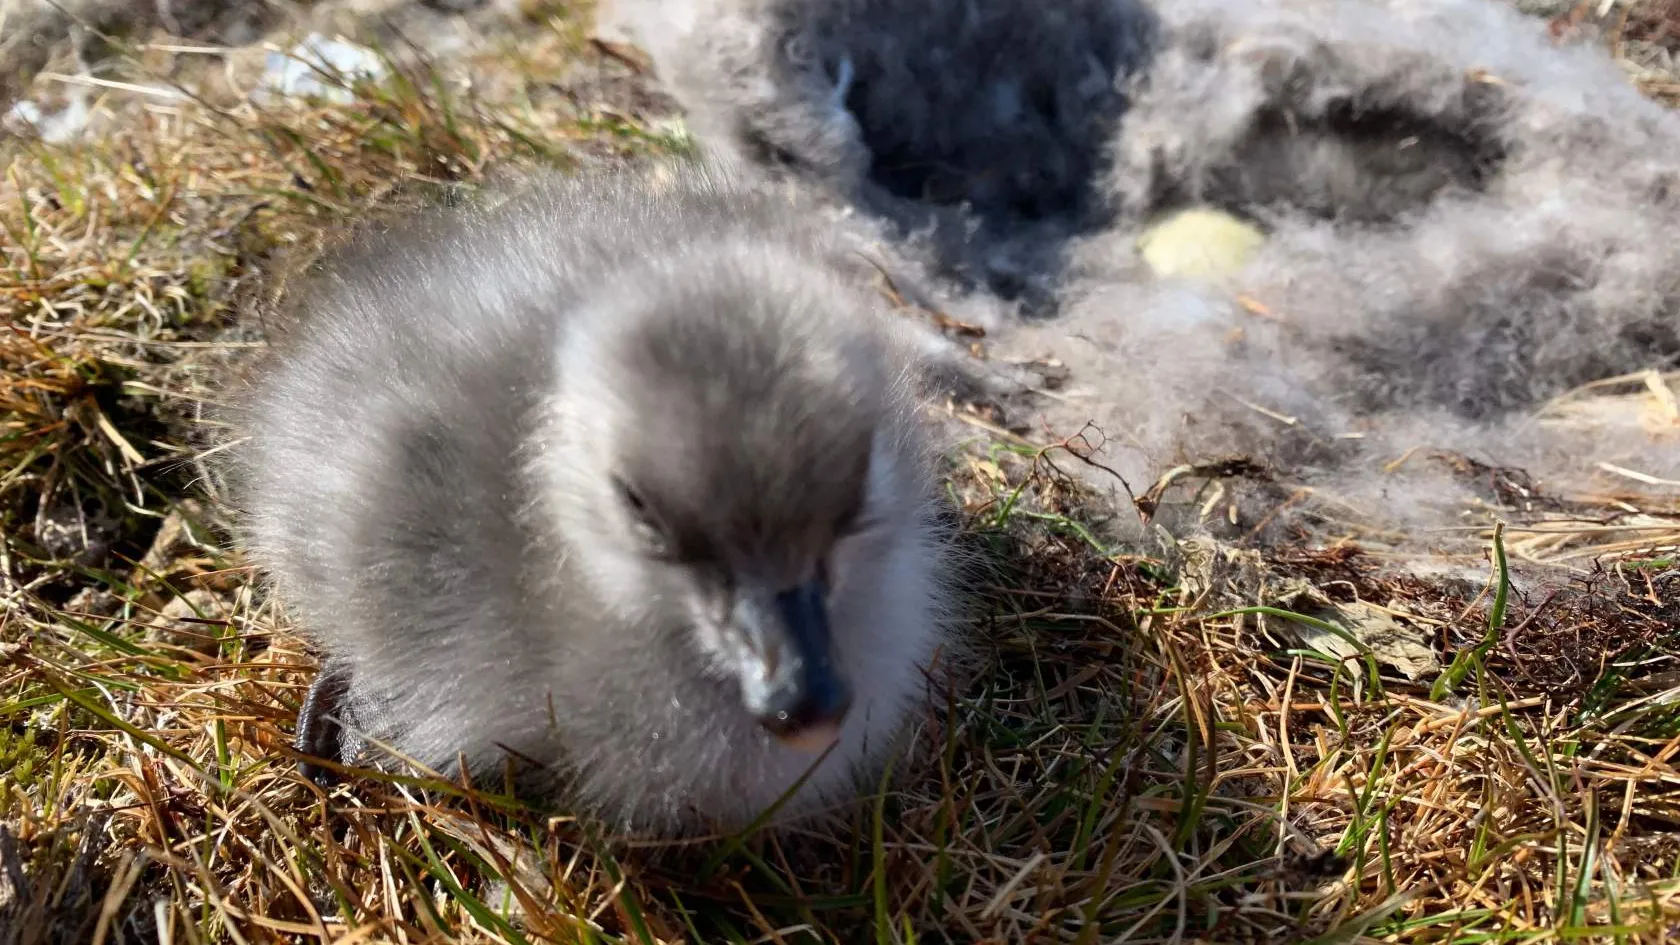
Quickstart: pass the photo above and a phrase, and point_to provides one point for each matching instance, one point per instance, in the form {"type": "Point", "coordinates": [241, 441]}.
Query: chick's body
{"type": "Point", "coordinates": [507, 473]}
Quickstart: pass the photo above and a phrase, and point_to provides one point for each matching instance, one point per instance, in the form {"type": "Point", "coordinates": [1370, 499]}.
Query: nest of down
{"type": "Point", "coordinates": [1463, 221]}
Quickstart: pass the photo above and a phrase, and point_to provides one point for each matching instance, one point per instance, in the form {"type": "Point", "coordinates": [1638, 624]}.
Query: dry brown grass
{"type": "Point", "coordinates": [1163, 744]}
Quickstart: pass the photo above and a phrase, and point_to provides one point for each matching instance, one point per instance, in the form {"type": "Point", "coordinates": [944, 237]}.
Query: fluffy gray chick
{"type": "Point", "coordinates": [619, 481]}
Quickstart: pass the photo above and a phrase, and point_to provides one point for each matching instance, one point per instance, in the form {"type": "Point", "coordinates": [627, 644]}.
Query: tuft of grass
{"type": "Point", "coordinates": [1147, 751]}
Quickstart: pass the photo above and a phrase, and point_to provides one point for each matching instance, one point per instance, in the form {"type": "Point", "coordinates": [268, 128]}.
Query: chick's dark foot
{"type": "Point", "coordinates": [320, 731]}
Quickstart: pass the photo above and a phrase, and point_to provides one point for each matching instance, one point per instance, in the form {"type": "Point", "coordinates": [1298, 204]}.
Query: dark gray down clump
{"type": "Point", "coordinates": [978, 126]}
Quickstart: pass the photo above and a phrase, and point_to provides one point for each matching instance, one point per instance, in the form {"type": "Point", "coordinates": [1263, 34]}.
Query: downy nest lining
{"type": "Point", "coordinates": [1464, 221]}
{"type": "Point", "coordinates": [973, 129]}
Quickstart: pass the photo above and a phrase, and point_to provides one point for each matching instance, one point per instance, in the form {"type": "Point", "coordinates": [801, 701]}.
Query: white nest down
{"type": "Point", "coordinates": [1464, 219]}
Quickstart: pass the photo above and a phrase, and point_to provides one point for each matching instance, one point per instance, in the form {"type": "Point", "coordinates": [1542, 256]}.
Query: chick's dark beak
{"type": "Point", "coordinates": [793, 688]}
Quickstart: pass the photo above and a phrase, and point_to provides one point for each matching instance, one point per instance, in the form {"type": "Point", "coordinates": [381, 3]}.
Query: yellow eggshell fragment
{"type": "Point", "coordinates": [1199, 243]}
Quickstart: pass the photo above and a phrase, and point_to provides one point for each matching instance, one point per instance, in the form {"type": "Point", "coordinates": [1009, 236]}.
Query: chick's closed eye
{"type": "Point", "coordinates": [650, 531]}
